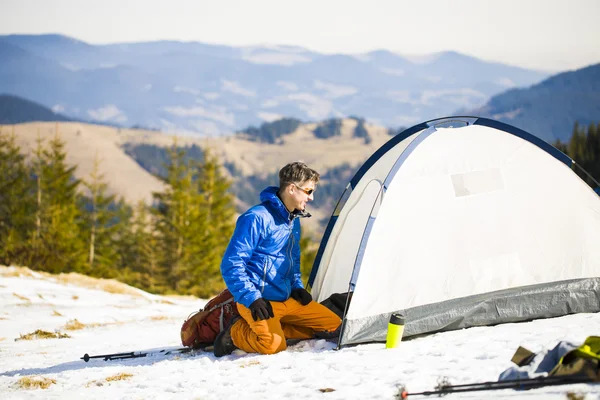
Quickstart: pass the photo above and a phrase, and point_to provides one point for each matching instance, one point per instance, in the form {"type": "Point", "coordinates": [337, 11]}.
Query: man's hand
{"type": "Point", "coordinates": [261, 309]}
{"type": "Point", "coordinates": [302, 296]}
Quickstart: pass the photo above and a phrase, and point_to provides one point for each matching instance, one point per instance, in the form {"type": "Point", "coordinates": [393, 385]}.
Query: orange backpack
{"type": "Point", "coordinates": [202, 327]}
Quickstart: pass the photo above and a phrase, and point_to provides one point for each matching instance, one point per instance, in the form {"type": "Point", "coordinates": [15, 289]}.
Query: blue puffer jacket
{"type": "Point", "coordinates": [263, 255]}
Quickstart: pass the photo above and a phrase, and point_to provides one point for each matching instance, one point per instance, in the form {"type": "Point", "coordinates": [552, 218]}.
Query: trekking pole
{"type": "Point", "coordinates": [86, 357]}
{"type": "Point", "coordinates": [135, 354]}
{"type": "Point", "coordinates": [499, 385]}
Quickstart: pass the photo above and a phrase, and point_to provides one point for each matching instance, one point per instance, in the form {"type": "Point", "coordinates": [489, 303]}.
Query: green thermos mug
{"type": "Point", "coordinates": [395, 331]}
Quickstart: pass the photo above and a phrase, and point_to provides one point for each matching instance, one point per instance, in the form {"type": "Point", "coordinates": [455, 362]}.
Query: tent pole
{"type": "Point", "coordinates": [339, 346]}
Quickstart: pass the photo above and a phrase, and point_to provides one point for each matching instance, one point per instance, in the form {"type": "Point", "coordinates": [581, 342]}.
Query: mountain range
{"type": "Point", "coordinates": [16, 110]}
{"type": "Point", "coordinates": [336, 147]}
{"type": "Point", "coordinates": [550, 109]}
{"type": "Point", "coordinates": [202, 89]}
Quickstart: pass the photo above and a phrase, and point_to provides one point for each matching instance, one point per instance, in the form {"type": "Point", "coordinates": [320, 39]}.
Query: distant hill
{"type": "Point", "coordinates": [15, 110]}
{"type": "Point", "coordinates": [273, 132]}
{"type": "Point", "coordinates": [130, 158]}
{"type": "Point", "coordinates": [550, 109]}
{"type": "Point", "coordinates": [83, 143]}
{"type": "Point", "coordinates": [202, 89]}
{"type": "Point", "coordinates": [270, 132]}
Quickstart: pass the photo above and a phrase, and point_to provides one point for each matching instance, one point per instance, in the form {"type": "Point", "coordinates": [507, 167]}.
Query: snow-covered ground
{"type": "Point", "coordinates": [135, 320]}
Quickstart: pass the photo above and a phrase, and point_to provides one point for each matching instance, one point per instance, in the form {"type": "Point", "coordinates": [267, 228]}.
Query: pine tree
{"type": "Point", "coordinates": [194, 221]}
{"type": "Point", "coordinates": [218, 212]}
{"type": "Point", "coordinates": [100, 224]}
{"type": "Point", "coordinates": [576, 147]}
{"type": "Point", "coordinates": [179, 222]}
{"type": "Point", "coordinates": [16, 202]}
{"type": "Point", "coordinates": [593, 152]}
{"type": "Point", "coordinates": [56, 245]}
{"type": "Point", "coordinates": [584, 148]}
{"type": "Point", "coordinates": [139, 255]}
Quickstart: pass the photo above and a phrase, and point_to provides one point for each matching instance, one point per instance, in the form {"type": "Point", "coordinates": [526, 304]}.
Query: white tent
{"type": "Point", "coordinates": [461, 222]}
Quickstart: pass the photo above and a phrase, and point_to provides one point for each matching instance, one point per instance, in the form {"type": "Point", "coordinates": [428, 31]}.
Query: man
{"type": "Point", "coordinates": [261, 268]}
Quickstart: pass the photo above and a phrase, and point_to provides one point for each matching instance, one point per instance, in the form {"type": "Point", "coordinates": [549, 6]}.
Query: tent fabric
{"type": "Point", "coordinates": [446, 214]}
{"type": "Point", "coordinates": [510, 305]}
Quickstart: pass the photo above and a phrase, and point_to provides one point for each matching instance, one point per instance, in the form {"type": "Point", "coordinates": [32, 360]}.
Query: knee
{"type": "Point", "coordinates": [272, 351]}
{"type": "Point", "coordinates": [275, 347]}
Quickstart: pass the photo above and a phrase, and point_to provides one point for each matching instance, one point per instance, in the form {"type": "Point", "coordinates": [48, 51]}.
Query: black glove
{"type": "Point", "coordinates": [302, 296]}
{"type": "Point", "coordinates": [261, 309]}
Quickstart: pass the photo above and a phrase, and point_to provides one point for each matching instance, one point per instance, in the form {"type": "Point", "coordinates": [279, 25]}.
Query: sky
{"type": "Point", "coordinates": [137, 321]}
{"type": "Point", "coordinates": [550, 35]}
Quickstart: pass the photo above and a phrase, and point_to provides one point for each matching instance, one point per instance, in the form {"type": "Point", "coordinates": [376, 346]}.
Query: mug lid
{"type": "Point", "coordinates": [397, 319]}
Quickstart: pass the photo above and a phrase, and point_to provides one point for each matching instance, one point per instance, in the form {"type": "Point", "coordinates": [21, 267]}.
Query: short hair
{"type": "Point", "coordinates": [297, 172]}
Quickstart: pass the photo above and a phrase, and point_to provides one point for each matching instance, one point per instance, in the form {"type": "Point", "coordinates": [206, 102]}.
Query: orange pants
{"type": "Point", "coordinates": [292, 320]}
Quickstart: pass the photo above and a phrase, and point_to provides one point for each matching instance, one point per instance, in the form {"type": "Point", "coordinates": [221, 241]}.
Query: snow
{"type": "Point", "coordinates": [138, 321]}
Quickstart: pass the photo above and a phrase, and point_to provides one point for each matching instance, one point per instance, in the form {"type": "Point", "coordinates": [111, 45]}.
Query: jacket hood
{"type": "Point", "coordinates": [269, 195]}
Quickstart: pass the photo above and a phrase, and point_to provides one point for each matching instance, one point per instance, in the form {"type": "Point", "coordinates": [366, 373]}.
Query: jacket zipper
{"type": "Point", "coordinates": [291, 258]}
{"type": "Point", "coordinates": [262, 289]}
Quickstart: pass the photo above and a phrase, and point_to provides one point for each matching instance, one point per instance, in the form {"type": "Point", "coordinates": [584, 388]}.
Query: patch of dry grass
{"type": "Point", "coordinates": [3, 318]}
{"type": "Point", "coordinates": [56, 314]}
{"type": "Point", "coordinates": [179, 296]}
{"type": "Point", "coordinates": [35, 382]}
{"type": "Point", "coordinates": [575, 396]}
{"type": "Point", "coordinates": [15, 272]}
{"type": "Point", "coordinates": [2, 338]}
{"type": "Point", "coordinates": [250, 363]}
{"type": "Point", "coordinates": [158, 317]}
{"type": "Point", "coordinates": [107, 285]}
{"type": "Point", "coordinates": [18, 296]}
{"type": "Point", "coordinates": [40, 334]}
{"type": "Point", "coordinates": [119, 377]}
{"type": "Point", "coordinates": [73, 325]}
{"type": "Point", "coordinates": [94, 383]}
{"type": "Point", "coordinates": [116, 287]}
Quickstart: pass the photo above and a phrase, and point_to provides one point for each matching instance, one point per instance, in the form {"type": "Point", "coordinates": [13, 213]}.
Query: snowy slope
{"type": "Point", "coordinates": [134, 320]}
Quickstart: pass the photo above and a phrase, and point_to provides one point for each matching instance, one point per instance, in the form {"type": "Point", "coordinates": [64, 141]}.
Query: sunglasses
{"type": "Point", "coordinates": [307, 191]}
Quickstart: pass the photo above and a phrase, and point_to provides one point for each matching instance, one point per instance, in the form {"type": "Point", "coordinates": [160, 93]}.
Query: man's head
{"type": "Point", "coordinates": [297, 182]}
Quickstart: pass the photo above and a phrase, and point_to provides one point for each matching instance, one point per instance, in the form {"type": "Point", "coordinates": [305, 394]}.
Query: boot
{"type": "Point", "coordinates": [224, 343]}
